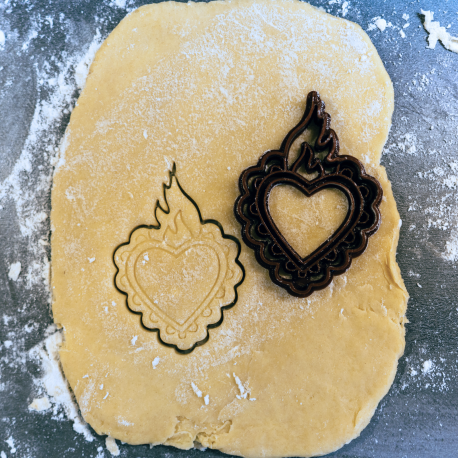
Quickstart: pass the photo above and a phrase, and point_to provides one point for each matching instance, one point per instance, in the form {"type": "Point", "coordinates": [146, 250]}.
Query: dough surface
{"type": "Point", "coordinates": [210, 87]}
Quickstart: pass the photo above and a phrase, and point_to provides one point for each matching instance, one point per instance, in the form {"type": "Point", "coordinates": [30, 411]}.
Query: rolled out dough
{"type": "Point", "coordinates": [210, 87]}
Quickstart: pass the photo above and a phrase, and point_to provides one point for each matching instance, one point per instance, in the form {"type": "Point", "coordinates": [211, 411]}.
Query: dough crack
{"type": "Point", "coordinates": [188, 434]}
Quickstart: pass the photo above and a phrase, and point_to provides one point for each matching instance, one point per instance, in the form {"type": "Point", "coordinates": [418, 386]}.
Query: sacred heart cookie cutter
{"type": "Point", "coordinates": [181, 273]}
{"type": "Point", "coordinates": [301, 276]}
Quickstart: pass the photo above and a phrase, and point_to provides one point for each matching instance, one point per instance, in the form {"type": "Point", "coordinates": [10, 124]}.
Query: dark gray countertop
{"type": "Point", "coordinates": [45, 38]}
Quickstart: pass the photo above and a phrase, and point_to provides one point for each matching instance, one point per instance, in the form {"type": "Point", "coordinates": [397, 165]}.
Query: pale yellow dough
{"type": "Point", "coordinates": [211, 87]}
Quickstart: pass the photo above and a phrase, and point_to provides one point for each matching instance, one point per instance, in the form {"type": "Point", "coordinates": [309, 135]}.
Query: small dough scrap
{"type": "Point", "coordinates": [209, 87]}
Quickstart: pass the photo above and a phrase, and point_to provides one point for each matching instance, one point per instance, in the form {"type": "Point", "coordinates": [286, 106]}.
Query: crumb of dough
{"type": "Point", "coordinates": [436, 32]}
{"type": "Point", "coordinates": [381, 24]}
{"type": "Point", "coordinates": [40, 404]}
{"type": "Point", "coordinates": [112, 446]}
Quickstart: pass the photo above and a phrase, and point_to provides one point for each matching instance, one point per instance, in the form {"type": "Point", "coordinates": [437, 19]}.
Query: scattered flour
{"type": "Point", "coordinates": [123, 422]}
{"type": "Point", "coordinates": [48, 113]}
{"type": "Point", "coordinates": [15, 270]}
{"type": "Point", "coordinates": [199, 394]}
{"type": "Point", "coordinates": [10, 442]}
{"type": "Point", "coordinates": [345, 6]}
{"type": "Point", "coordinates": [120, 3]}
{"type": "Point", "coordinates": [25, 188]}
{"type": "Point", "coordinates": [244, 392]}
{"type": "Point", "coordinates": [196, 390]}
{"type": "Point", "coordinates": [18, 186]}
{"type": "Point", "coordinates": [425, 149]}
{"type": "Point", "coordinates": [451, 248]}
{"type": "Point", "coordinates": [55, 385]}
{"type": "Point", "coordinates": [436, 32]}
{"type": "Point", "coordinates": [434, 374]}
{"type": "Point", "coordinates": [82, 67]}
{"type": "Point", "coordinates": [32, 35]}
{"type": "Point", "coordinates": [379, 23]}
{"type": "Point", "coordinates": [427, 366]}
{"type": "Point", "coordinates": [156, 361]}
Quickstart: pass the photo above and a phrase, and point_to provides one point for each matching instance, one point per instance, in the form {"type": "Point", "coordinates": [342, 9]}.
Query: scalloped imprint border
{"type": "Point", "coordinates": [210, 314]}
{"type": "Point", "coordinates": [302, 276]}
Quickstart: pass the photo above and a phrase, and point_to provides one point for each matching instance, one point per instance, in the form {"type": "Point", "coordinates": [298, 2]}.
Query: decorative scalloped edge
{"type": "Point", "coordinates": [302, 276]}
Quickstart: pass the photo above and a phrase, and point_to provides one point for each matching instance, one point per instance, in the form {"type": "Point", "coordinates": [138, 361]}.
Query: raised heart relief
{"type": "Point", "coordinates": [282, 204]}
{"type": "Point", "coordinates": [181, 273]}
{"type": "Point", "coordinates": [178, 280]}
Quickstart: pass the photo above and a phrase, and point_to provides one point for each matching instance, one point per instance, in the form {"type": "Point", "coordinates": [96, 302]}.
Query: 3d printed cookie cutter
{"type": "Point", "coordinates": [301, 276]}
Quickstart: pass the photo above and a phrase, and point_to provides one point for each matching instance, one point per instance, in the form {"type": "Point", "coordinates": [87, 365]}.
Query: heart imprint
{"type": "Point", "coordinates": [178, 282]}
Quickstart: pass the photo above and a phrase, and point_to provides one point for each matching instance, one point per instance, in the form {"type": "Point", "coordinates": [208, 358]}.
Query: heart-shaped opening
{"type": "Point", "coordinates": [307, 222]}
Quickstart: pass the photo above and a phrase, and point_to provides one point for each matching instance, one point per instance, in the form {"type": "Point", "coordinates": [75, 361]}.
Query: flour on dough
{"type": "Point", "coordinates": [214, 85]}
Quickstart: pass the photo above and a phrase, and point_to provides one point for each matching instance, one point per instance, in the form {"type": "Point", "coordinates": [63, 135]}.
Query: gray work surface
{"type": "Point", "coordinates": [418, 418]}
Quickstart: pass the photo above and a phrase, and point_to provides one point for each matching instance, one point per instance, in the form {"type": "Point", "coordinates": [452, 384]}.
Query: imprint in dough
{"type": "Point", "coordinates": [180, 273]}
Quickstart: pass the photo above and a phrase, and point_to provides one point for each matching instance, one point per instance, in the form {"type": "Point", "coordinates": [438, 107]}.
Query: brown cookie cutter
{"type": "Point", "coordinates": [302, 276]}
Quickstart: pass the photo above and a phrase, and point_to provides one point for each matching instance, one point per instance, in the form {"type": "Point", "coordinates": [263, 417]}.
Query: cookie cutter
{"type": "Point", "coordinates": [301, 276]}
